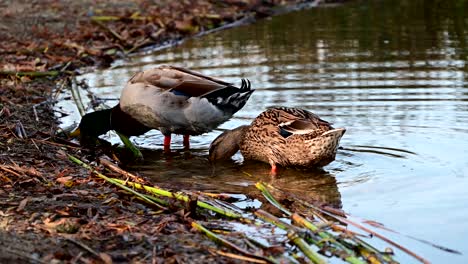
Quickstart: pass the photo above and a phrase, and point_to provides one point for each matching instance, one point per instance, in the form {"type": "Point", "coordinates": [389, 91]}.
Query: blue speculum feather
{"type": "Point", "coordinates": [284, 133]}
{"type": "Point", "coordinates": [179, 93]}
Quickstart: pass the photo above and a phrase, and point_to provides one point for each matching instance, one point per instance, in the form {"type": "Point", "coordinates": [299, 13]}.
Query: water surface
{"type": "Point", "coordinates": [394, 73]}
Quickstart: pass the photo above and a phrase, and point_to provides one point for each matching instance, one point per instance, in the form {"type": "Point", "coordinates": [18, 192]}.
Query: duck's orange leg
{"type": "Point", "coordinates": [186, 141]}
{"type": "Point", "coordinates": [274, 170]}
{"type": "Point", "coordinates": [167, 144]}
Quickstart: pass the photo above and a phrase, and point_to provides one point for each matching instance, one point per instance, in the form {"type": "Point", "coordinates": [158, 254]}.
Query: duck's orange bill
{"type": "Point", "coordinates": [75, 133]}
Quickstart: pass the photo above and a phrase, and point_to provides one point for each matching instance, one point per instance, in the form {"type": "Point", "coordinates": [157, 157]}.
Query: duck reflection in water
{"type": "Point", "coordinates": [196, 173]}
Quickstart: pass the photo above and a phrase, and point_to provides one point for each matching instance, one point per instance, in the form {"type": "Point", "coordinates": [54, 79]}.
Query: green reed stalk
{"type": "Point", "coordinates": [180, 197]}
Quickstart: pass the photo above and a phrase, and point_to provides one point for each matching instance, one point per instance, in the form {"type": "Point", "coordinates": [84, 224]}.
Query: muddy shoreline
{"type": "Point", "coordinates": [52, 210]}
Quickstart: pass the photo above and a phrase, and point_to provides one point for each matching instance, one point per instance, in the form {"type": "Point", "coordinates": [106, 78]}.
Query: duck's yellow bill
{"type": "Point", "coordinates": [75, 133]}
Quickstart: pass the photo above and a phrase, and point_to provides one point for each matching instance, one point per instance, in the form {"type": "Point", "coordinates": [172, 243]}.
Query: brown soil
{"type": "Point", "coordinates": [51, 209]}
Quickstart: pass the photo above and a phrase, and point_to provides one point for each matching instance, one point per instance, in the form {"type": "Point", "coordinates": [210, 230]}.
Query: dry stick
{"type": "Point", "coordinates": [113, 33]}
{"type": "Point", "coordinates": [115, 168]}
{"type": "Point", "coordinates": [227, 243]}
{"type": "Point", "coordinates": [77, 97]}
{"type": "Point", "coordinates": [82, 245]}
{"type": "Point", "coordinates": [57, 144]}
{"type": "Point", "coordinates": [8, 169]}
{"type": "Point", "coordinates": [145, 42]}
{"type": "Point", "coordinates": [57, 92]}
{"type": "Point", "coordinates": [115, 182]}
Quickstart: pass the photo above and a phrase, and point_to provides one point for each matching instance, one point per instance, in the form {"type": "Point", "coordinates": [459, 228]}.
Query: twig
{"type": "Point", "coordinates": [87, 248]}
{"type": "Point", "coordinates": [70, 145]}
{"type": "Point", "coordinates": [82, 245]}
{"type": "Point", "coordinates": [116, 168]}
{"type": "Point", "coordinates": [34, 143]}
{"type": "Point", "coordinates": [113, 33]}
{"type": "Point", "coordinates": [145, 42]}
{"type": "Point", "coordinates": [8, 169]}
{"type": "Point", "coordinates": [77, 97]}
{"type": "Point", "coordinates": [20, 131]}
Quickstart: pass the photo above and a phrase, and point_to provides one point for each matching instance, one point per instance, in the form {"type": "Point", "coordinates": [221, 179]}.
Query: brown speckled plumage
{"type": "Point", "coordinates": [282, 136]}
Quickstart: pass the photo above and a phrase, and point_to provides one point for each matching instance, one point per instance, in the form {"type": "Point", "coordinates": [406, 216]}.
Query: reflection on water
{"type": "Point", "coordinates": [192, 171]}
{"type": "Point", "coordinates": [394, 73]}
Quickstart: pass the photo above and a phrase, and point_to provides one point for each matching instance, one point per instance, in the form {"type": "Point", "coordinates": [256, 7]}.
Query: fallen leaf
{"type": "Point", "coordinates": [106, 258]}
{"type": "Point", "coordinates": [64, 180]}
{"type": "Point", "coordinates": [23, 204]}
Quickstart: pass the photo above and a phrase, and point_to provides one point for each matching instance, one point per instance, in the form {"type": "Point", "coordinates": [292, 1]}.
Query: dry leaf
{"type": "Point", "coordinates": [106, 258]}
{"type": "Point", "coordinates": [23, 204]}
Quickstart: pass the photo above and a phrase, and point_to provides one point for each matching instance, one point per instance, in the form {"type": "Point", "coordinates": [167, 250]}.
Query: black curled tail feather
{"type": "Point", "coordinates": [230, 99]}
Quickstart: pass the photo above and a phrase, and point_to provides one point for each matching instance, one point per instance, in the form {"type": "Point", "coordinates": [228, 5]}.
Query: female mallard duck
{"type": "Point", "coordinates": [281, 136]}
{"type": "Point", "coordinates": [171, 99]}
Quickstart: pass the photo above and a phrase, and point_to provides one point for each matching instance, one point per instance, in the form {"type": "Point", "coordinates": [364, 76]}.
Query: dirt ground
{"type": "Point", "coordinates": [52, 211]}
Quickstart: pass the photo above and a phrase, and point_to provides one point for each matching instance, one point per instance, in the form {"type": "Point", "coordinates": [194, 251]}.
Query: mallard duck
{"type": "Point", "coordinates": [170, 99]}
{"type": "Point", "coordinates": [281, 136]}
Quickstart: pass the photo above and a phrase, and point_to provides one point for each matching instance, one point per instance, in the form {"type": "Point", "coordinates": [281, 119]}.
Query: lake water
{"type": "Point", "coordinates": [394, 73]}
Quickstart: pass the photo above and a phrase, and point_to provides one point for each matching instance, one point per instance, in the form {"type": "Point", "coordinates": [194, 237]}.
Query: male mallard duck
{"type": "Point", "coordinates": [171, 99]}
{"type": "Point", "coordinates": [281, 136]}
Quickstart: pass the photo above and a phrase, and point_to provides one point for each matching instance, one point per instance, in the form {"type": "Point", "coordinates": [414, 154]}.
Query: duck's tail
{"type": "Point", "coordinates": [335, 133]}
{"type": "Point", "coordinates": [230, 99]}
{"type": "Point", "coordinates": [329, 142]}
{"type": "Point", "coordinates": [333, 137]}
